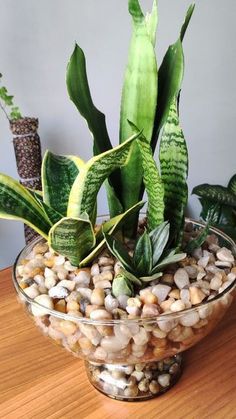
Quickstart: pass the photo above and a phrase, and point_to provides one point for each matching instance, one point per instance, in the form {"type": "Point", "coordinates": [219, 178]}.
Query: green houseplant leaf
{"type": "Point", "coordinates": [87, 184]}
{"type": "Point", "coordinates": [139, 98]}
{"type": "Point", "coordinates": [152, 182]}
{"type": "Point", "coordinates": [79, 93]}
{"type": "Point", "coordinates": [232, 184]}
{"type": "Point", "coordinates": [73, 238]}
{"type": "Point", "coordinates": [109, 227]}
{"type": "Point", "coordinates": [173, 156]}
{"type": "Point", "coordinates": [159, 239]}
{"type": "Point", "coordinates": [120, 252]}
{"type": "Point", "coordinates": [216, 193]}
{"type": "Point", "coordinates": [170, 78]}
{"type": "Point", "coordinates": [142, 258]}
{"type": "Point", "coordinates": [17, 203]}
{"type": "Point", "coordinates": [58, 176]}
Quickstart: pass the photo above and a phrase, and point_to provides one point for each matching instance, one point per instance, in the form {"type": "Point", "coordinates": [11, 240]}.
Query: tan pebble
{"type": "Point", "coordinates": [40, 248]}
{"type": "Point", "coordinates": [150, 310]}
{"type": "Point", "coordinates": [103, 276]}
{"type": "Point", "coordinates": [160, 343]}
{"type": "Point", "coordinates": [72, 306]}
{"type": "Point", "coordinates": [154, 387]}
{"type": "Point", "coordinates": [131, 391]}
{"type": "Point", "coordinates": [36, 271]}
{"type": "Point", "coordinates": [32, 291]}
{"type": "Point", "coordinates": [178, 305]}
{"type": "Point", "coordinates": [49, 262]}
{"type": "Point", "coordinates": [149, 298]}
{"type": "Point", "coordinates": [233, 270]}
{"type": "Point", "coordinates": [104, 261]}
{"type": "Point", "coordinates": [158, 333]}
{"type": "Point", "coordinates": [60, 306]}
{"type": "Point", "coordinates": [98, 296]}
{"type": "Point", "coordinates": [168, 278]}
{"type": "Point", "coordinates": [24, 261]}
{"type": "Point", "coordinates": [141, 338]}
{"type": "Point", "coordinates": [165, 305]}
{"type": "Point", "coordinates": [134, 302]}
{"type": "Point", "coordinates": [175, 293]}
{"type": "Point", "coordinates": [159, 353]}
{"type": "Point", "coordinates": [85, 343]}
{"type": "Point", "coordinates": [200, 324]}
{"type": "Point", "coordinates": [175, 333]}
{"type": "Point", "coordinates": [143, 385]}
{"type": "Point", "coordinates": [103, 284]}
{"type": "Point", "coordinates": [23, 284]}
{"type": "Point", "coordinates": [196, 295]}
{"type": "Point", "coordinates": [45, 301]}
{"type": "Point", "coordinates": [90, 308]}
{"type": "Point", "coordinates": [105, 330]}
{"type": "Point", "coordinates": [100, 314]}
{"type": "Point", "coordinates": [67, 327]}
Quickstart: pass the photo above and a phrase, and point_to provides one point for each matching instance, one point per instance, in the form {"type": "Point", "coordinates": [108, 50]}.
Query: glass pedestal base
{"type": "Point", "coordinates": [135, 382]}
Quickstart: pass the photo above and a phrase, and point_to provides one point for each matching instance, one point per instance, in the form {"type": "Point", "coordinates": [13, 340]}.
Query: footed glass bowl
{"type": "Point", "coordinates": [130, 359]}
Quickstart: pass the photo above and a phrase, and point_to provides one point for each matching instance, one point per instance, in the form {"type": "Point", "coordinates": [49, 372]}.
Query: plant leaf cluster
{"type": "Point", "coordinates": [151, 255]}
{"type": "Point", "coordinates": [219, 205]}
{"type": "Point", "coordinates": [11, 111]}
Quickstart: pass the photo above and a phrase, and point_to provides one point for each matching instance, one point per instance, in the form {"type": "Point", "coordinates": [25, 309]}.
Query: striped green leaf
{"type": "Point", "coordinates": [152, 182]}
{"type": "Point", "coordinates": [142, 258]}
{"type": "Point", "coordinates": [159, 238]}
{"type": "Point", "coordinates": [173, 157]}
{"type": "Point", "coordinates": [232, 184]}
{"type": "Point", "coordinates": [216, 193]}
{"type": "Point", "coordinates": [79, 92]}
{"type": "Point", "coordinates": [168, 260]}
{"type": "Point", "coordinates": [210, 210]}
{"type": "Point", "coordinates": [170, 78]}
{"type": "Point", "coordinates": [58, 176]}
{"type": "Point", "coordinates": [120, 252]}
{"type": "Point", "coordinates": [197, 242]}
{"type": "Point", "coordinates": [139, 98]}
{"type": "Point", "coordinates": [110, 227]}
{"type": "Point", "coordinates": [17, 203]}
{"type": "Point", "coordinates": [87, 184]}
{"type": "Point", "coordinates": [73, 238]}
{"type": "Point", "coordinates": [51, 214]}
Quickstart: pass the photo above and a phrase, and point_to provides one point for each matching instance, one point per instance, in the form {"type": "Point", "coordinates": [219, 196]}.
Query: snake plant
{"type": "Point", "coordinates": [149, 101]}
{"type": "Point", "coordinates": [64, 213]}
{"type": "Point", "coordinates": [151, 255]}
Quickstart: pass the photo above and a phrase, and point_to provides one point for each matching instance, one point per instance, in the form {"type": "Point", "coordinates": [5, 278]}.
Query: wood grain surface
{"type": "Point", "coordinates": [40, 380]}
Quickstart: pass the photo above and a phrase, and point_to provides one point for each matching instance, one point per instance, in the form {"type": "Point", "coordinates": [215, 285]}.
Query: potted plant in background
{"type": "Point", "coordinates": [27, 147]}
{"type": "Point", "coordinates": [126, 294]}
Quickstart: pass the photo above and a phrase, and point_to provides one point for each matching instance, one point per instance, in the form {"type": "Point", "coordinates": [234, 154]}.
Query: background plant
{"type": "Point", "coordinates": [11, 111]}
{"type": "Point", "coordinates": [219, 205]}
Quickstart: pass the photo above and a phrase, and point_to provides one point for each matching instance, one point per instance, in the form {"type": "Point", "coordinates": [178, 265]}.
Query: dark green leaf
{"type": "Point", "coordinates": [142, 258]}
{"type": "Point", "coordinates": [173, 157]}
{"type": "Point", "coordinates": [120, 252]}
{"type": "Point", "coordinates": [131, 277]}
{"type": "Point", "coordinates": [232, 185]}
{"type": "Point", "coordinates": [159, 238]}
{"type": "Point", "coordinates": [216, 193]}
{"type": "Point", "coordinates": [58, 176]}
{"type": "Point", "coordinates": [196, 243]}
{"type": "Point", "coordinates": [73, 238]}
{"type": "Point", "coordinates": [210, 210]}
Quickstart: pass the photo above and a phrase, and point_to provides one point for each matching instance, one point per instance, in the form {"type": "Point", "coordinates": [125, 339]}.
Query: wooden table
{"type": "Point", "coordinates": [40, 380]}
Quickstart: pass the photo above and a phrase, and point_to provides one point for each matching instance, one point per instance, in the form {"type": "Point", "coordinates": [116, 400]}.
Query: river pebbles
{"type": "Point", "coordinates": [51, 281]}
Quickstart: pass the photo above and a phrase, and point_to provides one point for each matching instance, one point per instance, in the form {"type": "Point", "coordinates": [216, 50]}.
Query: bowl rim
{"type": "Point", "coordinates": [139, 320]}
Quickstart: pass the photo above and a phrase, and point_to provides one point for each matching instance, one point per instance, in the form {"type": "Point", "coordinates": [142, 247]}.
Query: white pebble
{"type": "Point", "coordinates": [103, 284]}
{"type": "Point", "coordinates": [49, 273]}
{"type": "Point", "coordinates": [95, 269]}
{"type": "Point", "coordinates": [69, 267]}
{"type": "Point", "coordinates": [82, 278]}
{"type": "Point", "coordinates": [190, 319]}
{"type": "Point", "coordinates": [215, 283]}
{"type": "Point", "coordinates": [59, 260]}
{"type": "Point", "coordinates": [66, 283]}
{"type": "Point", "coordinates": [181, 278]}
{"type": "Point", "coordinates": [203, 261]}
{"type": "Point", "coordinates": [100, 314]}
{"type": "Point", "coordinates": [185, 295]}
{"type": "Point", "coordinates": [142, 337]}
{"type": "Point", "coordinates": [50, 281]}
{"type": "Point", "coordinates": [58, 292]}
{"type": "Point", "coordinates": [164, 380]}
{"type": "Point", "coordinates": [45, 301]}
{"type": "Point", "coordinates": [177, 306]}
{"type": "Point", "coordinates": [161, 292]}
{"type": "Point", "coordinates": [122, 299]}
{"type": "Point", "coordinates": [32, 291]}
{"type": "Point", "coordinates": [111, 303]}
{"type": "Point", "coordinates": [225, 255]}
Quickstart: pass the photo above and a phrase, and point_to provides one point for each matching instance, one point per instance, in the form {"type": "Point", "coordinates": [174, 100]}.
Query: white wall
{"type": "Point", "coordinates": [37, 38]}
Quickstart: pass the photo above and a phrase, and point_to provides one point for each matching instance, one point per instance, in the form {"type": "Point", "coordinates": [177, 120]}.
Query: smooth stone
{"type": "Point", "coordinates": [177, 306]}
{"type": "Point", "coordinates": [181, 278]}
{"type": "Point", "coordinates": [164, 380]}
{"type": "Point", "coordinates": [58, 292]}
{"type": "Point", "coordinates": [46, 302]}
{"type": "Point", "coordinates": [225, 255]}
{"type": "Point", "coordinates": [161, 292]}
{"type": "Point", "coordinates": [190, 319]}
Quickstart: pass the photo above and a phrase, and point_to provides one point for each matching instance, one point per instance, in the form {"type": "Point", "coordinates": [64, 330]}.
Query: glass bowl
{"type": "Point", "coordinates": [130, 359]}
